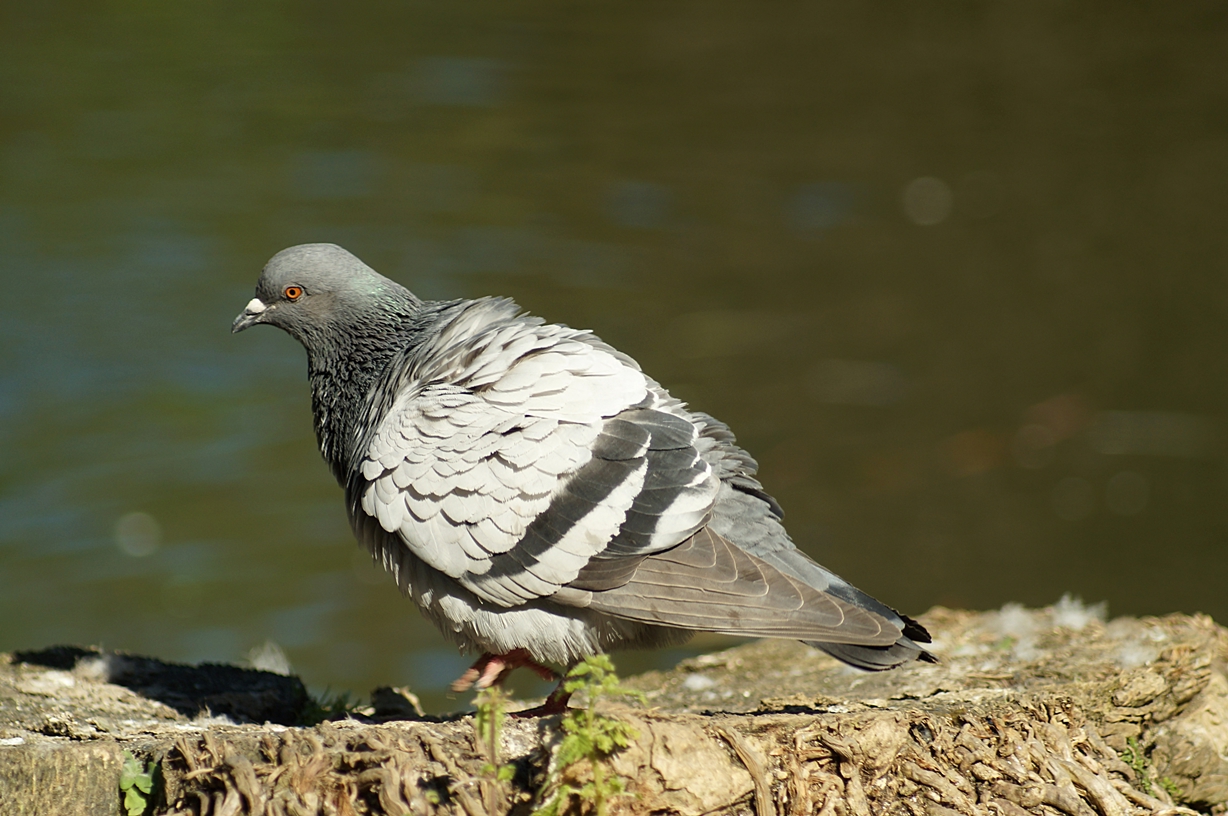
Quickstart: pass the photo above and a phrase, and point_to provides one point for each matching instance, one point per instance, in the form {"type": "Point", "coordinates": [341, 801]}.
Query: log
{"type": "Point", "coordinates": [1051, 712]}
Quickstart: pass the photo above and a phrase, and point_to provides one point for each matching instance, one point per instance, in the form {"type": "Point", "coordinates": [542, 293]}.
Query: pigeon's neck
{"type": "Point", "coordinates": [342, 373]}
{"type": "Point", "coordinates": [356, 379]}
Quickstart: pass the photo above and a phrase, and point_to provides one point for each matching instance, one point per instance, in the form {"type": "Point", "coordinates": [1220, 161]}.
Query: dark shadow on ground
{"type": "Point", "coordinates": [243, 695]}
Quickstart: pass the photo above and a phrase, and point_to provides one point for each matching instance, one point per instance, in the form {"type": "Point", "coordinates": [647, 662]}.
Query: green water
{"type": "Point", "coordinates": [956, 274]}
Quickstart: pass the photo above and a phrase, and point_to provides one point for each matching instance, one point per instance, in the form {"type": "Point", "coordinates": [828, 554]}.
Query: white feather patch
{"type": "Point", "coordinates": [464, 461]}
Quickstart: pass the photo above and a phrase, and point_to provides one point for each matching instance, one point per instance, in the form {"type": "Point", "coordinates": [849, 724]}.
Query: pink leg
{"type": "Point", "coordinates": [491, 669]}
{"type": "Point", "coordinates": [556, 703]}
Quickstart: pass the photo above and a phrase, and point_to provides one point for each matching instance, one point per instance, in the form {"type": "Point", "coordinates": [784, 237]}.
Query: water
{"type": "Point", "coordinates": [955, 276]}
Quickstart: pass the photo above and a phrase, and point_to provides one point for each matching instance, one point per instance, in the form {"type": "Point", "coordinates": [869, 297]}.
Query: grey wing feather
{"type": "Point", "coordinates": [711, 585]}
{"type": "Point", "coordinates": [511, 483]}
{"type": "Point", "coordinates": [527, 462]}
{"type": "Point", "coordinates": [762, 585]}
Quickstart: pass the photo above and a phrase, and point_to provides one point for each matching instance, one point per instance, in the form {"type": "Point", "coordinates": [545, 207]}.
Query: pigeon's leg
{"type": "Point", "coordinates": [556, 703]}
{"type": "Point", "coordinates": [491, 669]}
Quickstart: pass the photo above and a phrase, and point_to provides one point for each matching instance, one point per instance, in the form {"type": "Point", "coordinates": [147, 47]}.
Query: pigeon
{"type": "Point", "coordinates": [537, 495]}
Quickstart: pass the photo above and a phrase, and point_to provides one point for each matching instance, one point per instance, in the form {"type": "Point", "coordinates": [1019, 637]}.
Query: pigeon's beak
{"type": "Point", "coordinates": [252, 313]}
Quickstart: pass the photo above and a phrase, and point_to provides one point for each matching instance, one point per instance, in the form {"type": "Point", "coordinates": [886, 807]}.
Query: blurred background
{"type": "Point", "coordinates": [956, 274]}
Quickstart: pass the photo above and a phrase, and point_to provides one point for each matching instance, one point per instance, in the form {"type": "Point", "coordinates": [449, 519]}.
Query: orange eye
{"type": "Point", "coordinates": [293, 292]}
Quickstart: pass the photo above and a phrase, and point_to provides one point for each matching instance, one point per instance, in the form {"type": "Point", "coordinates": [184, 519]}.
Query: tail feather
{"type": "Point", "coordinates": [881, 658]}
{"type": "Point", "coordinates": [876, 658]}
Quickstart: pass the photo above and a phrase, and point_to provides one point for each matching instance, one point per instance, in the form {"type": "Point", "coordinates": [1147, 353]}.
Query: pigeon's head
{"type": "Point", "coordinates": [316, 290]}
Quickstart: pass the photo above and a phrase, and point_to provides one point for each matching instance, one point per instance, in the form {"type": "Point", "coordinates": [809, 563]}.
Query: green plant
{"type": "Point", "coordinates": [488, 726]}
{"type": "Point", "coordinates": [136, 784]}
{"type": "Point", "coordinates": [488, 721]}
{"type": "Point", "coordinates": [1133, 756]}
{"type": "Point", "coordinates": [1171, 788]}
{"type": "Point", "coordinates": [590, 735]}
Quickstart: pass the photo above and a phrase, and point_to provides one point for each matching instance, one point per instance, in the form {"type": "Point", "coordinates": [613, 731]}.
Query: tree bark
{"type": "Point", "coordinates": [1049, 712]}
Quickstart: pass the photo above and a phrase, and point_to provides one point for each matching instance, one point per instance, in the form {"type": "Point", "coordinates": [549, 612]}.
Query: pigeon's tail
{"type": "Point", "coordinates": [869, 657]}
{"type": "Point", "coordinates": [709, 584]}
{"type": "Point", "coordinates": [874, 658]}
{"type": "Point", "coordinates": [877, 658]}
{"type": "Point", "coordinates": [881, 658]}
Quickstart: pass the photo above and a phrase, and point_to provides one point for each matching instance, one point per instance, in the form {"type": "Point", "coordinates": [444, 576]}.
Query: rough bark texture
{"type": "Point", "coordinates": [1047, 712]}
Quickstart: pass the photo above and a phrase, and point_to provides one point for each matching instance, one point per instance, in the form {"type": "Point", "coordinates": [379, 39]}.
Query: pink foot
{"type": "Point", "coordinates": [490, 669]}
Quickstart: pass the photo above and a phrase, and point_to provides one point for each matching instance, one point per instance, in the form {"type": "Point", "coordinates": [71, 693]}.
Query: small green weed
{"type": "Point", "coordinates": [488, 720]}
{"type": "Point", "coordinates": [1133, 756]}
{"type": "Point", "coordinates": [1171, 788]}
{"type": "Point", "coordinates": [136, 783]}
{"type": "Point", "coordinates": [592, 736]}
{"type": "Point", "coordinates": [1138, 762]}
{"type": "Point", "coordinates": [488, 726]}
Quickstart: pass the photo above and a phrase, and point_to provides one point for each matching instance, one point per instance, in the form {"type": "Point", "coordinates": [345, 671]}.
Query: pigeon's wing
{"type": "Point", "coordinates": [709, 584]}
{"type": "Point", "coordinates": [741, 574]}
{"type": "Point", "coordinates": [542, 451]}
{"type": "Point", "coordinates": [544, 465]}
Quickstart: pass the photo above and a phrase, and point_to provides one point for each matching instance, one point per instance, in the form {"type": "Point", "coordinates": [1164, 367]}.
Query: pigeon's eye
{"type": "Point", "coordinates": [293, 292]}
